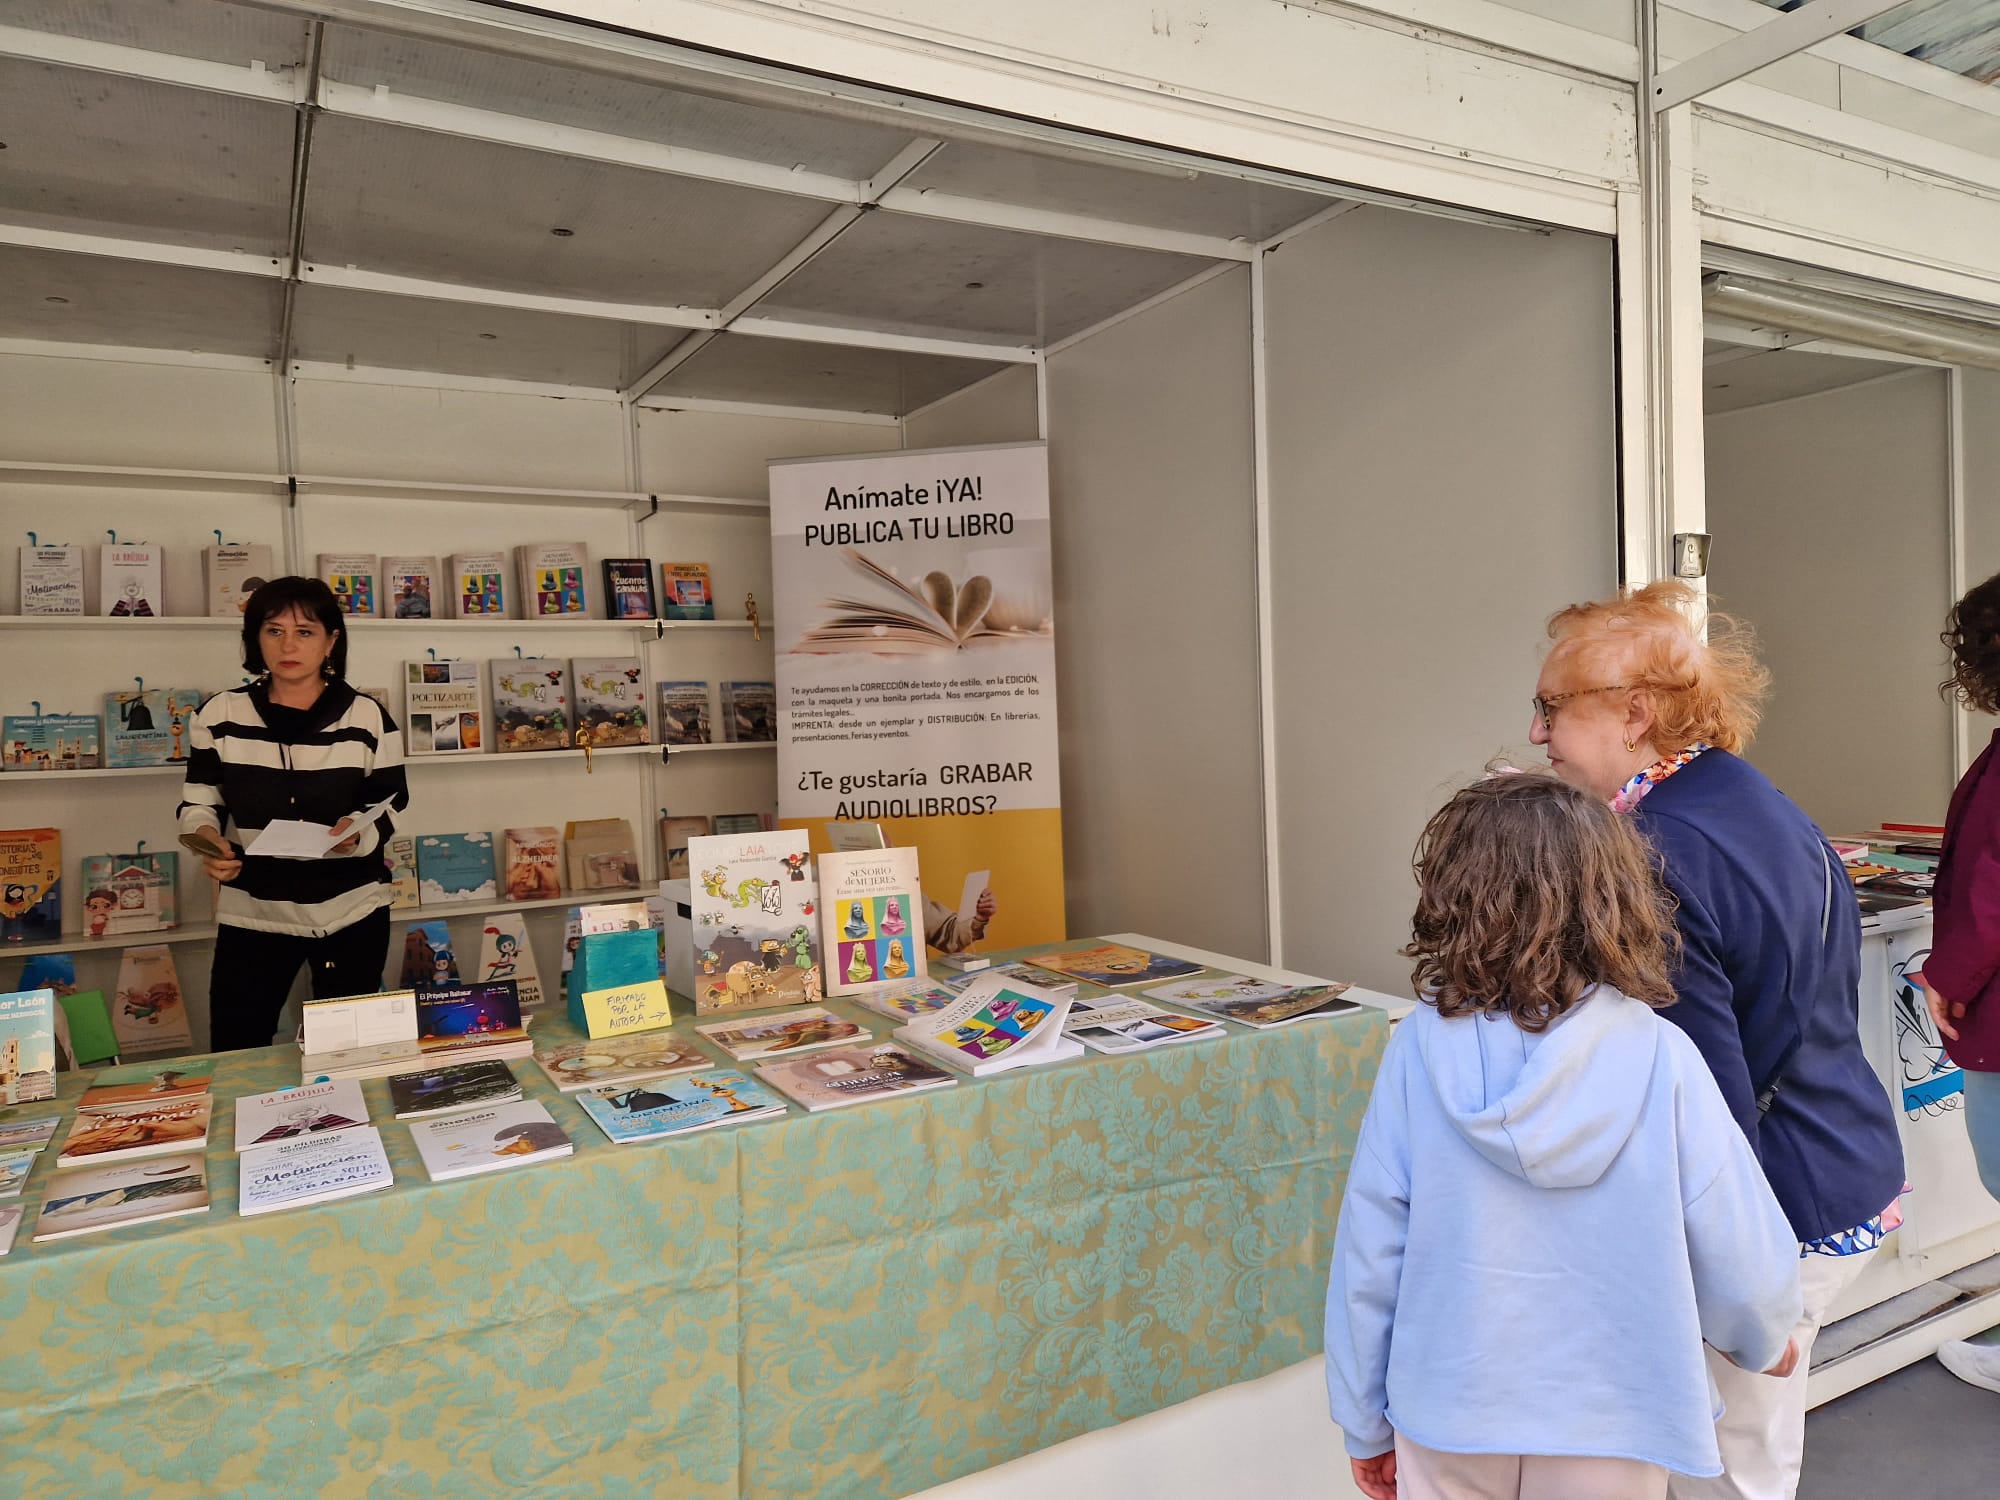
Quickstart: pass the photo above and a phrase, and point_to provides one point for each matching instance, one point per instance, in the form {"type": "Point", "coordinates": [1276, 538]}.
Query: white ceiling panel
{"type": "Point", "coordinates": [206, 29]}
{"type": "Point", "coordinates": [924, 276]}
{"type": "Point", "coordinates": [455, 338]}
{"type": "Point", "coordinates": [87, 299]}
{"type": "Point", "coordinates": [1781, 374]}
{"type": "Point", "coordinates": [451, 209]}
{"type": "Point", "coordinates": [830, 377]}
{"type": "Point", "coordinates": [616, 106]}
{"type": "Point", "coordinates": [94, 154]}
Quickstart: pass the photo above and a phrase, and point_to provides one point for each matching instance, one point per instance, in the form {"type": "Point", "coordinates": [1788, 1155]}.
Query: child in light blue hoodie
{"type": "Point", "coordinates": [1550, 1208]}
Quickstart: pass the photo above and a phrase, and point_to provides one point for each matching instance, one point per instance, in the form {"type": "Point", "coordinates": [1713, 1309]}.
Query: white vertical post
{"type": "Point", "coordinates": [1639, 469]}
{"type": "Point", "coordinates": [1267, 717]}
{"type": "Point", "coordinates": [1956, 481]}
{"type": "Point", "coordinates": [1042, 394]}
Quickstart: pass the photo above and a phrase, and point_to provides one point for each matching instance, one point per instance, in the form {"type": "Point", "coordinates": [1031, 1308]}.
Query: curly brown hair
{"type": "Point", "coordinates": [1530, 892]}
{"type": "Point", "coordinates": [1972, 635]}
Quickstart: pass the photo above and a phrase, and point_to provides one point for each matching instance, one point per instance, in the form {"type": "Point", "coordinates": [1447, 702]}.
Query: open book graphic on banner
{"type": "Point", "coordinates": [938, 613]}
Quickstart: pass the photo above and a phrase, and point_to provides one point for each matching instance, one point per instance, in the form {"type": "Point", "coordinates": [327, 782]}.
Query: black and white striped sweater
{"type": "Point", "coordinates": [250, 762]}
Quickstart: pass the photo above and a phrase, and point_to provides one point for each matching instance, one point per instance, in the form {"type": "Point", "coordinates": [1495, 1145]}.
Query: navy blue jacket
{"type": "Point", "coordinates": [1755, 976]}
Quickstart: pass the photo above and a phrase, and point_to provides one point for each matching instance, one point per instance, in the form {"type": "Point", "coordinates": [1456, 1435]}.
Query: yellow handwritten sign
{"type": "Point", "coordinates": [628, 1007]}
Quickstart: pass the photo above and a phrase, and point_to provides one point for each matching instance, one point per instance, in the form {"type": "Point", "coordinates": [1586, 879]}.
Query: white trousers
{"type": "Point", "coordinates": [1762, 1431]}
{"type": "Point", "coordinates": [1425, 1474]}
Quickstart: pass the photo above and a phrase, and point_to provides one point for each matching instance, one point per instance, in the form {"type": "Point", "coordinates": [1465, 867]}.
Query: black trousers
{"type": "Point", "coordinates": [254, 970]}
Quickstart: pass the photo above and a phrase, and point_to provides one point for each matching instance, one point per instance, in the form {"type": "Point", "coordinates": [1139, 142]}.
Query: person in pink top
{"type": "Point", "coordinates": [1961, 978]}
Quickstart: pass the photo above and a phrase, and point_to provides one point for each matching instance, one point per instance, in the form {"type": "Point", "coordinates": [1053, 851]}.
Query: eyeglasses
{"type": "Point", "coordinates": [1545, 708]}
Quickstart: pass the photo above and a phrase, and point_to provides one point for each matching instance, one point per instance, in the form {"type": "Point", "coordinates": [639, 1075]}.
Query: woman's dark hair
{"type": "Point", "coordinates": [1972, 635]}
{"type": "Point", "coordinates": [309, 597]}
{"type": "Point", "coordinates": [1529, 893]}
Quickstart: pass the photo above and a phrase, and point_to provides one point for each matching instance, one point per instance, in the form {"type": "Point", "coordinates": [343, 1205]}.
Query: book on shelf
{"type": "Point", "coordinates": [533, 863]}
{"type": "Point", "coordinates": [52, 579]}
{"type": "Point", "coordinates": [600, 854]}
{"type": "Point", "coordinates": [17, 1136]}
{"type": "Point", "coordinates": [148, 726]}
{"type": "Point", "coordinates": [55, 971]}
{"type": "Point", "coordinates": [444, 708]}
{"type": "Point", "coordinates": [742, 823]}
{"type": "Point", "coordinates": [871, 911]}
{"type": "Point", "coordinates": [552, 578]}
{"type": "Point", "coordinates": [628, 588]}
{"type": "Point", "coordinates": [1251, 1002]}
{"type": "Point", "coordinates": [852, 1075]}
{"type": "Point", "coordinates": [447, 1087]}
{"type": "Point", "coordinates": [941, 614]}
{"type": "Point", "coordinates": [50, 742]}
{"type": "Point", "coordinates": [611, 1061]}
{"type": "Point", "coordinates": [749, 712]}
{"type": "Point", "coordinates": [124, 893]}
{"type": "Point", "coordinates": [1113, 966]}
{"type": "Point", "coordinates": [682, 713]}
{"type": "Point", "coordinates": [611, 700]}
{"type": "Point", "coordinates": [480, 590]}
{"type": "Point", "coordinates": [489, 1140]}
{"type": "Point", "coordinates": [429, 955]}
{"type": "Point", "coordinates": [1132, 1026]}
{"type": "Point", "coordinates": [312, 1169]}
{"type": "Point", "coordinates": [506, 955]}
{"type": "Point", "coordinates": [455, 867]}
{"type": "Point", "coordinates": [140, 1083]}
{"type": "Point", "coordinates": [657, 1107]}
{"type": "Point", "coordinates": [685, 591]}
{"type": "Point", "coordinates": [532, 708]}
{"type": "Point", "coordinates": [91, 1040]}
{"type": "Point", "coordinates": [150, 1012]}
{"type": "Point", "coordinates": [994, 1026]}
{"type": "Point", "coordinates": [475, 1022]}
{"type": "Point", "coordinates": [351, 576]}
{"type": "Point", "coordinates": [231, 572]}
{"type": "Point", "coordinates": [409, 587]}
{"type": "Point", "coordinates": [129, 580]}
{"type": "Point", "coordinates": [112, 1196]}
{"type": "Point", "coordinates": [906, 1001]}
{"type": "Point", "coordinates": [806, 1029]}
{"type": "Point", "coordinates": [144, 1127]}
{"type": "Point", "coordinates": [400, 854]}
{"type": "Point", "coordinates": [852, 837]}
{"type": "Point", "coordinates": [756, 941]}
{"type": "Point", "coordinates": [27, 1046]}
{"type": "Point", "coordinates": [30, 885]}
{"type": "Point", "coordinates": [308, 1110]}
{"type": "Point", "coordinates": [675, 831]}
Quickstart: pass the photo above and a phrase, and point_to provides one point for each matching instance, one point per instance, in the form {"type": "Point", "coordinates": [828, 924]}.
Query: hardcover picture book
{"type": "Point", "coordinates": [316, 1169]}
{"type": "Point", "coordinates": [351, 576]}
{"type": "Point", "coordinates": [128, 580]}
{"type": "Point", "coordinates": [749, 712]}
{"type": "Point", "coordinates": [479, 586]}
{"type": "Point", "coordinates": [872, 911]}
{"type": "Point", "coordinates": [659, 1107]}
{"type": "Point", "coordinates": [675, 832]}
{"type": "Point", "coordinates": [409, 587]}
{"type": "Point", "coordinates": [126, 1132]}
{"type": "Point", "coordinates": [148, 726]}
{"type": "Point", "coordinates": [455, 867]}
{"type": "Point", "coordinates": [129, 893]}
{"type": "Point", "coordinates": [309, 1109]}
{"type": "Point", "coordinates": [444, 712]}
{"type": "Point", "coordinates": [531, 703]}
{"type": "Point", "coordinates": [683, 713]}
{"type": "Point", "coordinates": [428, 957]}
{"type": "Point", "coordinates": [1298, 1004]}
{"type": "Point", "coordinates": [451, 1086]}
{"type": "Point", "coordinates": [506, 956]}
{"type": "Point", "coordinates": [27, 1047]}
{"type": "Point", "coordinates": [685, 591]}
{"type": "Point", "coordinates": [533, 863]}
{"type": "Point", "coordinates": [150, 1014]}
{"type": "Point", "coordinates": [756, 938]}
{"type": "Point", "coordinates": [51, 580]}
{"type": "Point", "coordinates": [552, 578]}
{"type": "Point", "coordinates": [1132, 1026]}
{"type": "Point", "coordinates": [30, 885]}
{"type": "Point", "coordinates": [232, 572]}
{"type": "Point", "coordinates": [628, 588]}
{"type": "Point", "coordinates": [50, 742]}
{"type": "Point", "coordinates": [111, 1197]}
{"type": "Point", "coordinates": [611, 700]}
{"type": "Point", "coordinates": [489, 1140]}
{"type": "Point", "coordinates": [804, 1030]}
{"type": "Point", "coordinates": [1113, 966]}
{"type": "Point", "coordinates": [994, 1026]}
{"type": "Point", "coordinates": [852, 1075]}
{"type": "Point", "coordinates": [617, 1060]}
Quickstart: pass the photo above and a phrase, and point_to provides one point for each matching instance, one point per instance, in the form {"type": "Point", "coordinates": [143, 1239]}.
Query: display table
{"type": "Point", "coordinates": [864, 1302]}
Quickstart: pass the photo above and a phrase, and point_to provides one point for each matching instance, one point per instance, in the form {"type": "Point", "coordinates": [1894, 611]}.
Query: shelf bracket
{"type": "Point", "coordinates": [665, 751]}
{"type": "Point", "coordinates": [292, 489]}
{"type": "Point", "coordinates": [653, 512]}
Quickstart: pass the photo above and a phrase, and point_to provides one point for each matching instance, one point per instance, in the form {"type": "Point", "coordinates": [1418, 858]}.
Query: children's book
{"type": "Point", "coordinates": [111, 1197]}
{"type": "Point", "coordinates": [628, 588]}
{"type": "Point", "coordinates": [50, 742]}
{"type": "Point", "coordinates": [29, 1135]}
{"type": "Point", "coordinates": [401, 855]}
{"type": "Point", "coordinates": [531, 703]}
{"type": "Point", "coordinates": [1021, 975]}
{"type": "Point", "coordinates": [351, 576]}
{"type": "Point", "coordinates": [314, 1169]}
{"type": "Point", "coordinates": [906, 1001]}
{"type": "Point", "coordinates": [126, 1132]}
{"type": "Point", "coordinates": [1300, 1003]}
{"type": "Point", "coordinates": [994, 1026]}
{"type": "Point", "coordinates": [552, 578]}
{"type": "Point", "coordinates": [804, 1030]}
{"type": "Point", "coordinates": [428, 957]}
{"type": "Point", "coordinates": [618, 1060]}
{"type": "Point", "coordinates": [1132, 1026]}
{"type": "Point", "coordinates": [872, 914]}
{"type": "Point", "coordinates": [600, 854]}
{"type": "Point", "coordinates": [409, 585]}
{"type": "Point", "coordinates": [611, 700]}
{"type": "Point", "coordinates": [148, 726]}
{"type": "Point", "coordinates": [10, 1225]}
{"type": "Point", "coordinates": [533, 863]}
{"type": "Point", "coordinates": [55, 971]}
{"type": "Point", "coordinates": [489, 1140]}
{"type": "Point", "coordinates": [659, 1107]}
{"type": "Point", "coordinates": [51, 580]}
{"type": "Point", "coordinates": [675, 832]}
{"type": "Point", "coordinates": [685, 591]}
{"type": "Point", "coordinates": [142, 1083]}
{"type": "Point", "coordinates": [232, 572]}
{"type": "Point", "coordinates": [309, 1109]}
{"type": "Point", "coordinates": [128, 580]}
{"type": "Point", "coordinates": [506, 956]}
{"type": "Point", "coordinates": [129, 893]}
{"type": "Point", "coordinates": [30, 885]}
{"type": "Point", "coordinates": [27, 1046]}
{"type": "Point", "coordinates": [756, 937]}
{"type": "Point", "coordinates": [472, 1021]}
{"type": "Point", "coordinates": [852, 1075]}
{"type": "Point", "coordinates": [455, 867]}
{"type": "Point", "coordinates": [479, 588]}
{"type": "Point", "coordinates": [444, 712]}
{"type": "Point", "coordinates": [749, 712]}
{"type": "Point", "coordinates": [150, 1014]}
{"type": "Point", "coordinates": [452, 1086]}
{"type": "Point", "coordinates": [683, 714]}
{"type": "Point", "coordinates": [1113, 966]}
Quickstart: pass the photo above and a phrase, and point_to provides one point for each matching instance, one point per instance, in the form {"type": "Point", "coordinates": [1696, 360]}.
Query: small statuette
{"type": "Point", "coordinates": [756, 624]}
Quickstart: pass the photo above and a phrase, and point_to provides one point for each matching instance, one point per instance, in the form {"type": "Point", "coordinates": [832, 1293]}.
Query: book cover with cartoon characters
{"type": "Point", "coordinates": [148, 726]}
{"type": "Point", "coordinates": [646, 1110]}
{"type": "Point", "coordinates": [611, 700]}
{"type": "Point", "coordinates": [532, 709]}
{"type": "Point", "coordinates": [30, 884]}
{"type": "Point", "coordinates": [150, 1014]}
{"type": "Point", "coordinates": [755, 910]}
{"type": "Point", "coordinates": [129, 893]}
{"type": "Point", "coordinates": [873, 919]}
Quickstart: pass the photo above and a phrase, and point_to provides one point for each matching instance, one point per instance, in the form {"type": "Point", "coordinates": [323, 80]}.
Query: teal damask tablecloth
{"type": "Point", "coordinates": [860, 1303]}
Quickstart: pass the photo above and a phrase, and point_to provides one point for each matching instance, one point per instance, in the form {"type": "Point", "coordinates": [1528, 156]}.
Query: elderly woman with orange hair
{"type": "Point", "coordinates": [1634, 706]}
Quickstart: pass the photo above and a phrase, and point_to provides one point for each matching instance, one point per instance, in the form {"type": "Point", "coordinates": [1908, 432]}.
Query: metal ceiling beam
{"type": "Point", "coordinates": [113, 247]}
{"type": "Point", "coordinates": [872, 338]}
{"type": "Point", "coordinates": [924, 203]}
{"type": "Point", "coordinates": [355, 278]}
{"type": "Point", "coordinates": [295, 216]}
{"type": "Point", "coordinates": [278, 86]}
{"type": "Point", "coordinates": [1769, 42]}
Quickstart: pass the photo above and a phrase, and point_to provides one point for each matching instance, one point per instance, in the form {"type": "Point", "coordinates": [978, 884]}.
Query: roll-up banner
{"type": "Point", "coordinates": [916, 674]}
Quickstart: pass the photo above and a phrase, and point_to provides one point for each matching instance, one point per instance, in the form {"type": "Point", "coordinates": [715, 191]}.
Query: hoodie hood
{"type": "Point", "coordinates": [1555, 1109]}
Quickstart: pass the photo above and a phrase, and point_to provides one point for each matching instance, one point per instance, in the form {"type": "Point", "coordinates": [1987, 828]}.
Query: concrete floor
{"type": "Point", "coordinates": [1919, 1434]}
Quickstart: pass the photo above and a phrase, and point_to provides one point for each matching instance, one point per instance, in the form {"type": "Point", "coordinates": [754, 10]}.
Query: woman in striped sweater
{"type": "Point", "coordinates": [297, 743]}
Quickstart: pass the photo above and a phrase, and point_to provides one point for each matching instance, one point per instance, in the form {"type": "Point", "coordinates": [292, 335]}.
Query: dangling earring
{"type": "Point", "coordinates": [326, 671]}
{"type": "Point", "coordinates": [1630, 746]}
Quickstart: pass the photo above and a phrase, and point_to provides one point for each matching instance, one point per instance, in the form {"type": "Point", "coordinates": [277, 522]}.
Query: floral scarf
{"type": "Point", "coordinates": [1635, 791]}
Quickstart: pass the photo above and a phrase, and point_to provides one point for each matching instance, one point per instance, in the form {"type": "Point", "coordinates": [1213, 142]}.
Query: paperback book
{"type": "Point", "coordinates": [749, 712]}
{"type": "Point", "coordinates": [316, 1169]}
{"type": "Point", "coordinates": [150, 1014]}
{"type": "Point", "coordinates": [678, 1106]}
{"type": "Point", "coordinates": [428, 956]}
{"type": "Point", "coordinates": [479, 585]}
{"type": "Point", "coordinates": [686, 592]}
{"type": "Point", "coordinates": [617, 1060]}
{"type": "Point", "coordinates": [351, 576]}
{"type": "Point", "coordinates": [148, 726]}
{"type": "Point", "coordinates": [444, 712]}
{"type": "Point", "coordinates": [600, 854]}
{"type": "Point", "coordinates": [489, 1140]}
{"type": "Point", "coordinates": [14, 1173]}
{"type": "Point", "coordinates": [534, 863]}
{"type": "Point", "coordinates": [531, 704]}
{"type": "Point", "coordinates": [872, 911]}
{"type": "Point", "coordinates": [506, 956]}
{"type": "Point", "coordinates": [1021, 975]}
{"type": "Point", "coordinates": [1212, 989]}
{"type": "Point", "coordinates": [756, 942]}
{"type": "Point", "coordinates": [310, 1109]}
{"type": "Point", "coordinates": [628, 588]}
{"type": "Point", "coordinates": [50, 742]}
{"type": "Point", "coordinates": [683, 715]}
{"type": "Point", "coordinates": [51, 580]}
{"type": "Point", "coordinates": [400, 853]}
{"type": "Point", "coordinates": [232, 572]}
{"type": "Point", "coordinates": [125, 893]}
{"type": "Point", "coordinates": [30, 885]}
{"type": "Point", "coordinates": [10, 1225]}
{"type": "Point", "coordinates": [27, 1046]}
{"type": "Point", "coordinates": [126, 1132]}
{"type": "Point", "coordinates": [852, 1075]}
{"type": "Point", "coordinates": [907, 1002]}
{"type": "Point", "coordinates": [992, 1028]}
{"type": "Point", "coordinates": [675, 834]}
{"type": "Point", "coordinates": [804, 1030]}
{"type": "Point", "coordinates": [450, 1087]}
{"type": "Point", "coordinates": [140, 1083]}
{"type": "Point", "coordinates": [29, 1135]}
{"type": "Point", "coordinates": [1299, 1003]}
{"type": "Point", "coordinates": [552, 578]}
{"type": "Point", "coordinates": [128, 580]}
{"type": "Point", "coordinates": [1132, 1026]}
{"type": "Point", "coordinates": [1113, 966]}
{"type": "Point", "coordinates": [409, 585]}
{"type": "Point", "coordinates": [455, 867]}
{"type": "Point", "coordinates": [482, 1020]}
{"type": "Point", "coordinates": [611, 700]}
{"type": "Point", "coordinates": [111, 1197]}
